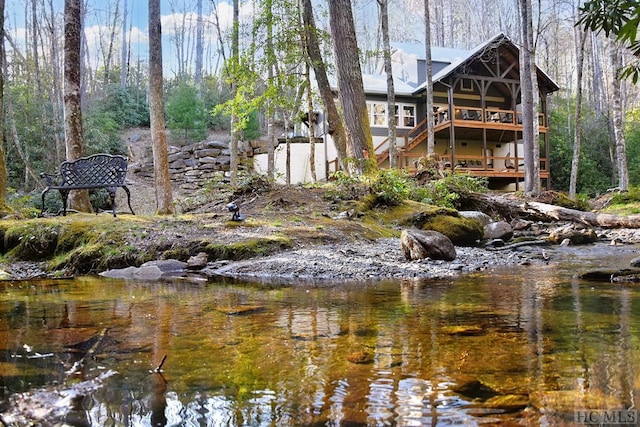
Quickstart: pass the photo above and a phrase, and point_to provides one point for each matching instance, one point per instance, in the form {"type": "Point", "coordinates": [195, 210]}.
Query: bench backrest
{"type": "Point", "coordinates": [99, 169]}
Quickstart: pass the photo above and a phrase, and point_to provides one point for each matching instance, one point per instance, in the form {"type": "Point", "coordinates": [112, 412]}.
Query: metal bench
{"type": "Point", "coordinates": [92, 172]}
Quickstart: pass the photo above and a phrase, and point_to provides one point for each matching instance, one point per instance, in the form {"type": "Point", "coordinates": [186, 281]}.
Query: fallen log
{"type": "Point", "coordinates": [516, 208]}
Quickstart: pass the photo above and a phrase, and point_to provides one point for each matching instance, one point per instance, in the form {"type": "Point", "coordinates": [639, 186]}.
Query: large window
{"type": "Point", "coordinates": [405, 114]}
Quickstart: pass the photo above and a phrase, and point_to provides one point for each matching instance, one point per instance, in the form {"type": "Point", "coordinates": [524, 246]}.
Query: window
{"type": "Point", "coordinates": [466, 85]}
{"type": "Point", "coordinates": [379, 114]}
{"type": "Point", "coordinates": [408, 116]}
{"type": "Point", "coordinates": [405, 114]}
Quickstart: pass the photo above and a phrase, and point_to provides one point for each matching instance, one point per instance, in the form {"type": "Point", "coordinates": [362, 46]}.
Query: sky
{"type": "Point", "coordinates": [175, 14]}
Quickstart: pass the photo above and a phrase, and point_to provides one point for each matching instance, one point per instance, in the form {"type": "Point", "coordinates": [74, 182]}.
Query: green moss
{"type": "Point", "coordinates": [248, 248]}
{"type": "Point", "coordinates": [30, 240]}
{"type": "Point", "coordinates": [461, 231]}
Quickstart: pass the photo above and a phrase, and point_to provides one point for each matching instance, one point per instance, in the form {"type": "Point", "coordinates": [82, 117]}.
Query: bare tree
{"type": "Point", "coordinates": [124, 53]}
{"type": "Point", "coordinates": [235, 61]}
{"type": "Point", "coordinates": [162, 178]}
{"type": "Point", "coordinates": [335, 125]}
{"type": "Point", "coordinates": [529, 97]}
{"type": "Point", "coordinates": [431, 144]}
{"type": "Point", "coordinates": [350, 86]}
{"type": "Point", "coordinates": [575, 161]}
{"type": "Point", "coordinates": [78, 200]}
{"type": "Point", "coordinates": [3, 164]}
{"type": "Point", "coordinates": [199, 49]}
{"type": "Point", "coordinates": [391, 93]}
{"type": "Point", "coordinates": [618, 119]}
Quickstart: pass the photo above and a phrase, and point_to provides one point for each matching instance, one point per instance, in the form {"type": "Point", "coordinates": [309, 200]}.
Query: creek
{"type": "Point", "coordinates": [523, 344]}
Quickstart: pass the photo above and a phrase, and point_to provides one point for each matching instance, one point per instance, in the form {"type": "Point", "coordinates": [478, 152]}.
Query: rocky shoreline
{"type": "Point", "coordinates": [373, 260]}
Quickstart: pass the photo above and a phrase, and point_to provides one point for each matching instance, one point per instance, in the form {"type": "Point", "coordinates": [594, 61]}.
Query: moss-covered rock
{"type": "Point", "coordinates": [462, 231]}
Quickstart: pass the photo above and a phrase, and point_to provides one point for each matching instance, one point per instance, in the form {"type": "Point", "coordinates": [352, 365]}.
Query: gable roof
{"type": "Point", "coordinates": [500, 40]}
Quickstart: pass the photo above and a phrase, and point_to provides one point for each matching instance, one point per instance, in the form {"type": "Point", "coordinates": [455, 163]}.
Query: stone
{"type": "Point", "coordinates": [152, 270]}
{"type": "Point", "coordinates": [635, 262]}
{"type": "Point", "coordinates": [419, 244]}
{"type": "Point", "coordinates": [481, 217]}
{"type": "Point", "coordinates": [498, 230]}
{"type": "Point", "coordinates": [198, 262]}
{"type": "Point", "coordinates": [577, 234]}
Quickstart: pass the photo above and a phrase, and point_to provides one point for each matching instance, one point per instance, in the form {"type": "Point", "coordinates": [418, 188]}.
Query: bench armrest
{"type": "Point", "coordinates": [51, 178]}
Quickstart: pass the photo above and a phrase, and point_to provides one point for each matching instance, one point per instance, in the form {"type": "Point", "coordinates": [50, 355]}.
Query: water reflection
{"type": "Point", "coordinates": [526, 345]}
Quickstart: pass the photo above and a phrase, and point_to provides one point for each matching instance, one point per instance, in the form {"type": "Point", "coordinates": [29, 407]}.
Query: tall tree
{"type": "Point", "coordinates": [235, 66]}
{"type": "Point", "coordinates": [618, 119]}
{"type": "Point", "coordinates": [199, 47]}
{"type": "Point", "coordinates": [350, 86]}
{"type": "Point", "coordinates": [529, 98]}
{"type": "Point", "coordinates": [391, 93]}
{"type": "Point", "coordinates": [3, 164]}
{"type": "Point", "coordinates": [431, 143]}
{"type": "Point", "coordinates": [162, 178]}
{"type": "Point", "coordinates": [124, 51]}
{"type": "Point", "coordinates": [78, 200]}
{"type": "Point", "coordinates": [335, 125]}
{"type": "Point", "coordinates": [575, 161]}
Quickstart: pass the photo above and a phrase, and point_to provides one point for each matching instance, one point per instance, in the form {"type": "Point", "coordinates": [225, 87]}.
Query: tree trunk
{"type": "Point", "coordinates": [573, 179]}
{"type": "Point", "coordinates": [616, 111]}
{"type": "Point", "coordinates": [311, 117]}
{"type": "Point", "coordinates": [536, 211]}
{"type": "Point", "coordinates": [529, 100]}
{"type": "Point", "coordinates": [391, 93]}
{"type": "Point", "coordinates": [350, 86]}
{"type": "Point", "coordinates": [162, 178]}
{"type": "Point", "coordinates": [78, 200]}
{"type": "Point", "coordinates": [199, 48]}
{"type": "Point", "coordinates": [3, 164]}
{"type": "Point", "coordinates": [55, 94]}
{"type": "Point", "coordinates": [123, 53]}
{"type": "Point", "coordinates": [335, 125]}
{"type": "Point", "coordinates": [235, 59]}
{"type": "Point", "coordinates": [429, 83]}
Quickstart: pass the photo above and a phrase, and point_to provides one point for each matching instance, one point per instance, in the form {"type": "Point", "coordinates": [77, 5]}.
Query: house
{"type": "Point", "coordinates": [477, 116]}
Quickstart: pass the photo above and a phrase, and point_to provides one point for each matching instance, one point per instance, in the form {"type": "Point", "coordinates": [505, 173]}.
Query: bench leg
{"type": "Point", "coordinates": [112, 196]}
{"type": "Point", "coordinates": [44, 192]}
{"type": "Point", "coordinates": [65, 198]}
{"type": "Point", "coordinates": [128, 198]}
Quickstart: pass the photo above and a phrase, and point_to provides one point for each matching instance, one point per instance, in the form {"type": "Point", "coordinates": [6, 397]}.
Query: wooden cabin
{"type": "Point", "coordinates": [477, 116]}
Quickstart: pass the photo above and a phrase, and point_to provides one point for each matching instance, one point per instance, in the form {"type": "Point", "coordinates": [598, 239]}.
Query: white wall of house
{"type": "Point", "coordinates": [300, 164]}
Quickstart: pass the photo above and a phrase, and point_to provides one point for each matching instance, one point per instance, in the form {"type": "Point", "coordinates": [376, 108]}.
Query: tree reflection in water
{"type": "Point", "coordinates": [530, 344]}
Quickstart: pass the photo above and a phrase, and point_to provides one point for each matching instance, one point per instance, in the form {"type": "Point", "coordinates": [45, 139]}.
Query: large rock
{"type": "Point", "coordinates": [152, 270]}
{"type": "Point", "coordinates": [576, 234]}
{"type": "Point", "coordinates": [460, 230]}
{"type": "Point", "coordinates": [481, 217]}
{"type": "Point", "coordinates": [498, 230]}
{"type": "Point", "coordinates": [420, 244]}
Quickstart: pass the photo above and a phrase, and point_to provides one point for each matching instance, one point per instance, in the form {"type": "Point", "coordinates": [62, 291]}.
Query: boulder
{"type": "Point", "coordinates": [481, 217]}
{"type": "Point", "coordinates": [419, 244]}
{"type": "Point", "coordinates": [461, 231]}
{"type": "Point", "coordinates": [152, 270]}
{"type": "Point", "coordinates": [577, 234]}
{"type": "Point", "coordinates": [498, 230]}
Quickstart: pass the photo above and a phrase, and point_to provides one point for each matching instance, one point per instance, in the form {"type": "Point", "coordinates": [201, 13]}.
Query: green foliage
{"type": "Point", "coordinates": [215, 92]}
{"type": "Point", "coordinates": [594, 169]}
{"type": "Point", "coordinates": [391, 187]}
{"type": "Point", "coordinates": [186, 114]}
{"type": "Point", "coordinates": [619, 18]}
{"type": "Point", "coordinates": [630, 196]}
{"type": "Point", "coordinates": [446, 191]}
{"type": "Point", "coordinates": [108, 114]}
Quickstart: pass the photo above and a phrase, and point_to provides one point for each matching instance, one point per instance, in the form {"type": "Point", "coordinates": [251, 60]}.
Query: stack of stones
{"type": "Point", "coordinates": [191, 166]}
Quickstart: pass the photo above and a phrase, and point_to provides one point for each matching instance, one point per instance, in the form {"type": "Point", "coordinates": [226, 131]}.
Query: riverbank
{"type": "Point", "coordinates": [287, 234]}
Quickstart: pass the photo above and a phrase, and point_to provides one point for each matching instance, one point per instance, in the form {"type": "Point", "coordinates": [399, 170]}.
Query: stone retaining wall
{"type": "Point", "coordinates": [191, 166]}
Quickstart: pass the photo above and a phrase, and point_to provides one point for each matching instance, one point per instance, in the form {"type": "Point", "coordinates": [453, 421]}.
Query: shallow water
{"type": "Point", "coordinates": [527, 345]}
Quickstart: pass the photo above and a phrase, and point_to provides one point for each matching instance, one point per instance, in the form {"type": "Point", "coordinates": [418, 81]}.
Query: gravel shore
{"type": "Point", "coordinates": [379, 259]}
